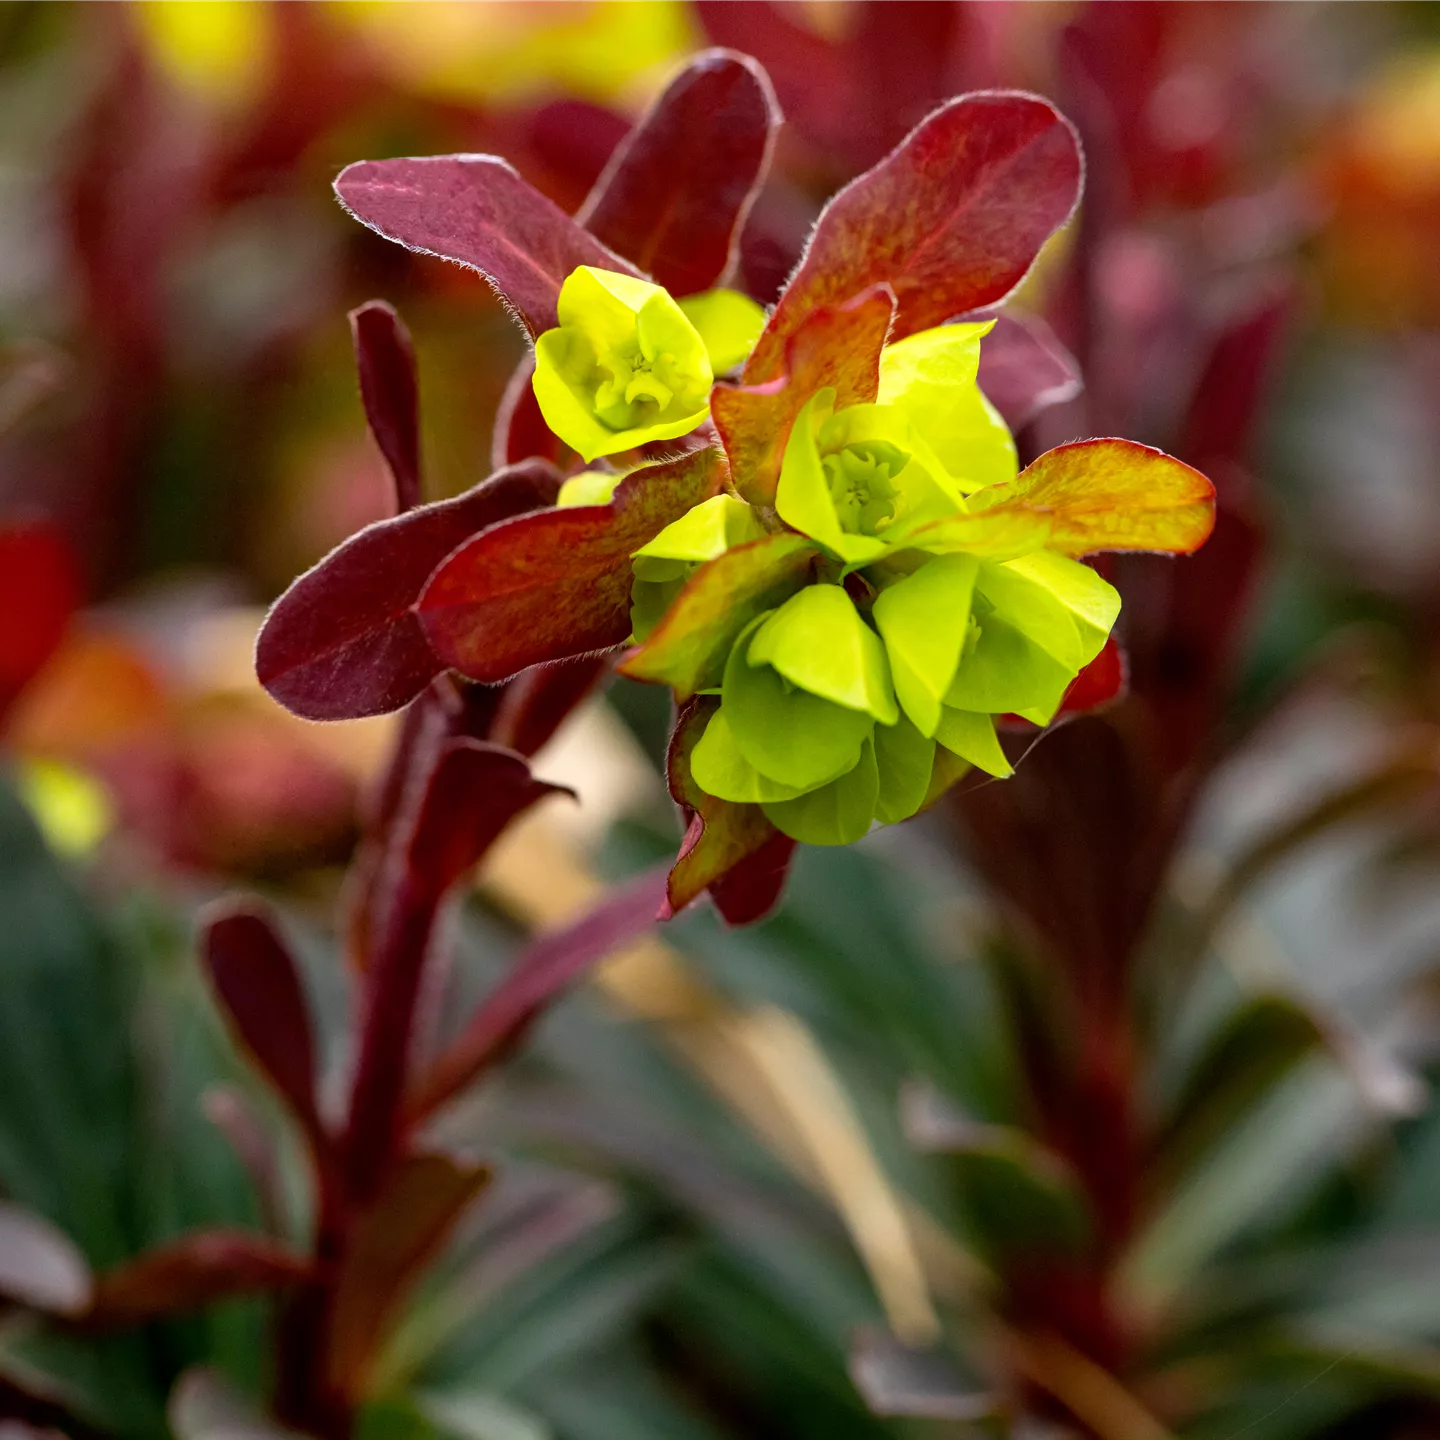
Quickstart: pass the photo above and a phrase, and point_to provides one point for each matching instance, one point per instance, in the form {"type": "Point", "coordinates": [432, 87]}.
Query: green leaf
{"type": "Point", "coordinates": [836, 814]}
{"type": "Point", "coordinates": [923, 620]}
{"type": "Point", "coordinates": [1007, 673]}
{"type": "Point", "coordinates": [788, 734]}
{"type": "Point", "coordinates": [728, 322]}
{"type": "Point", "coordinates": [688, 647]}
{"type": "Point", "coordinates": [906, 761]}
{"type": "Point", "coordinates": [719, 769]}
{"type": "Point", "coordinates": [477, 1415]}
{"type": "Point", "coordinates": [930, 378]}
{"type": "Point", "coordinates": [971, 735]}
{"type": "Point", "coordinates": [818, 641]}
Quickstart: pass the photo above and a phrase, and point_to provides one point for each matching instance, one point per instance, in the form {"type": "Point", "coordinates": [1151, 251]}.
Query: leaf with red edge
{"type": "Point", "coordinates": [390, 393]}
{"type": "Point", "coordinates": [837, 346]}
{"type": "Point", "coordinates": [728, 848]}
{"type": "Point", "coordinates": [192, 1271]}
{"type": "Point", "coordinates": [952, 219]}
{"type": "Point", "coordinates": [476, 211]}
{"type": "Point", "coordinates": [557, 584]}
{"type": "Point", "coordinates": [343, 641]}
{"type": "Point", "coordinates": [390, 1247]}
{"type": "Point", "coordinates": [1114, 495]}
{"type": "Point", "coordinates": [687, 650]}
{"type": "Point", "coordinates": [678, 188]}
{"type": "Point", "coordinates": [41, 1266]}
{"type": "Point", "coordinates": [39, 590]}
{"type": "Point", "coordinates": [255, 979]}
{"type": "Point", "coordinates": [1100, 682]}
{"type": "Point", "coordinates": [1024, 369]}
{"type": "Point", "coordinates": [548, 965]}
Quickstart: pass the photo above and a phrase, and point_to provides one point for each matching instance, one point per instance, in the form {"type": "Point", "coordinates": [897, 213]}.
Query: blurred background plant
{"type": "Point", "coordinates": [1097, 1104]}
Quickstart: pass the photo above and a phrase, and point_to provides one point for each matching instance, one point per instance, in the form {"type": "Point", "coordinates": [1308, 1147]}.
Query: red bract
{"type": "Point", "coordinates": [556, 583]}
{"type": "Point", "coordinates": [952, 220]}
{"type": "Point", "coordinates": [839, 346]}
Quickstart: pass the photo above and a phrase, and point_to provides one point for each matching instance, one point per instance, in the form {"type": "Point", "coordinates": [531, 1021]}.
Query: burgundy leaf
{"type": "Point", "coordinates": [343, 640]}
{"type": "Point", "coordinates": [41, 1266]}
{"type": "Point", "coordinates": [192, 1271]}
{"type": "Point", "coordinates": [835, 346]}
{"type": "Point", "coordinates": [1024, 369]}
{"type": "Point", "coordinates": [39, 590]}
{"type": "Point", "coordinates": [678, 187]}
{"type": "Point", "coordinates": [808, 70]}
{"type": "Point", "coordinates": [729, 846]}
{"type": "Point", "coordinates": [259, 990]}
{"type": "Point", "coordinates": [952, 220]}
{"type": "Point", "coordinates": [390, 1246]}
{"type": "Point", "coordinates": [556, 584]}
{"type": "Point", "coordinates": [476, 211]}
{"type": "Point", "coordinates": [546, 967]}
{"type": "Point", "coordinates": [389, 389]}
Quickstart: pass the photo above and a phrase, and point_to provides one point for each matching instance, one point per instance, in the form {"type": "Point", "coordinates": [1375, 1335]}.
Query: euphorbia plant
{"type": "Point", "coordinates": [831, 557]}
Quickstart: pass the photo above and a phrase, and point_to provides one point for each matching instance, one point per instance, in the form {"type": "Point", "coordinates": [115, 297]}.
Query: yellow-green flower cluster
{"type": "Point", "coordinates": [878, 681]}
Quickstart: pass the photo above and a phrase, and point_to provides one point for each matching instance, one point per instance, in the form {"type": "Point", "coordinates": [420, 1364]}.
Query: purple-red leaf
{"type": "Point", "coordinates": [389, 390]}
{"type": "Point", "coordinates": [731, 850]}
{"type": "Point", "coordinates": [343, 640]}
{"type": "Point", "coordinates": [952, 219]}
{"type": "Point", "coordinates": [255, 980]}
{"type": "Point", "coordinates": [556, 584]}
{"type": "Point", "coordinates": [546, 967]}
{"type": "Point", "coordinates": [191, 1271]}
{"type": "Point", "coordinates": [41, 1266]}
{"type": "Point", "coordinates": [837, 346]}
{"type": "Point", "coordinates": [1024, 369]}
{"type": "Point", "coordinates": [678, 187]}
{"type": "Point", "coordinates": [536, 702]}
{"type": "Point", "coordinates": [476, 211]}
{"type": "Point", "coordinates": [390, 1246]}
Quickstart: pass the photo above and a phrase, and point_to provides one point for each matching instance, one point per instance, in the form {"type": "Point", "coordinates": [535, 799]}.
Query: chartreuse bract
{"type": "Point", "coordinates": [628, 364]}
{"type": "Point", "coordinates": [929, 609]}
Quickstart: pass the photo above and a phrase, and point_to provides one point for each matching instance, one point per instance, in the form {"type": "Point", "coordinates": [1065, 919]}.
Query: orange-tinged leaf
{"type": "Point", "coordinates": [952, 219]}
{"type": "Point", "coordinates": [689, 647]}
{"type": "Point", "coordinates": [1117, 495]}
{"type": "Point", "coordinates": [838, 346]}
